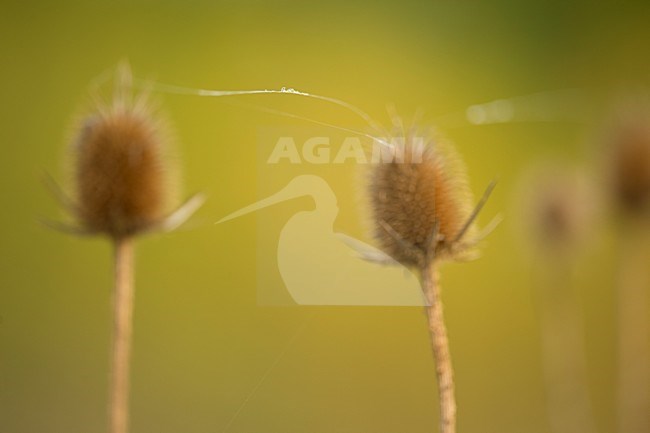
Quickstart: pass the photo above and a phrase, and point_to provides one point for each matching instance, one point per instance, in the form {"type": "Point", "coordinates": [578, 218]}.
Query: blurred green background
{"type": "Point", "coordinates": [207, 357]}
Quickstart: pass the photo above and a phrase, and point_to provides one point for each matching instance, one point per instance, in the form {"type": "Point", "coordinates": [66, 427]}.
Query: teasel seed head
{"type": "Point", "coordinates": [421, 203]}
{"type": "Point", "coordinates": [629, 157]}
{"type": "Point", "coordinates": [120, 171]}
{"type": "Point", "coordinates": [560, 205]}
{"type": "Point", "coordinates": [123, 179]}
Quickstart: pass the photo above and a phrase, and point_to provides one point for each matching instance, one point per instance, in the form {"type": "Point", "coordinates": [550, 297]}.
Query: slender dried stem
{"type": "Point", "coordinates": [440, 346]}
{"type": "Point", "coordinates": [122, 331]}
{"type": "Point", "coordinates": [634, 330]}
{"type": "Point", "coordinates": [564, 358]}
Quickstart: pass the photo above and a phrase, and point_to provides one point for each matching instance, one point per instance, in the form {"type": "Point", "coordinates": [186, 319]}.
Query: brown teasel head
{"type": "Point", "coordinates": [630, 162]}
{"type": "Point", "coordinates": [420, 202]}
{"type": "Point", "coordinates": [120, 174]}
{"type": "Point", "coordinates": [560, 205]}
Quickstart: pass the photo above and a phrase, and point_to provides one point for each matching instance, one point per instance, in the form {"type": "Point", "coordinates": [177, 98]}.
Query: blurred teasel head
{"type": "Point", "coordinates": [420, 202]}
{"type": "Point", "coordinates": [122, 176]}
{"type": "Point", "coordinates": [628, 156]}
{"type": "Point", "coordinates": [559, 206]}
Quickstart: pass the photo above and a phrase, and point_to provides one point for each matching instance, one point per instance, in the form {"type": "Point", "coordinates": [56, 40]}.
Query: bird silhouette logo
{"type": "Point", "coordinates": [321, 267]}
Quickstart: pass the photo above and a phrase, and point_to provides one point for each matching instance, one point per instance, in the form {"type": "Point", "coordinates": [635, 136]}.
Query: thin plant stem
{"type": "Point", "coordinates": [122, 332]}
{"type": "Point", "coordinates": [634, 329]}
{"type": "Point", "coordinates": [440, 346]}
{"type": "Point", "coordinates": [563, 351]}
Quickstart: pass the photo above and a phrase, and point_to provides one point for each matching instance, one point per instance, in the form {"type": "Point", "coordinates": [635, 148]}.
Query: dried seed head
{"type": "Point", "coordinates": [120, 172]}
{"type": "Point", "coordinates": [630, 162]}
{"type": "Point", "coordinates": [420, 202]}
{"type": "Point", "coordinates": [559, 208]}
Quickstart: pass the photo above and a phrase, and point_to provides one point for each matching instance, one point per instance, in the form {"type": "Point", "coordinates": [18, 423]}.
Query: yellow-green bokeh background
{"type": "Point", "coordinates": [202, 343]}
